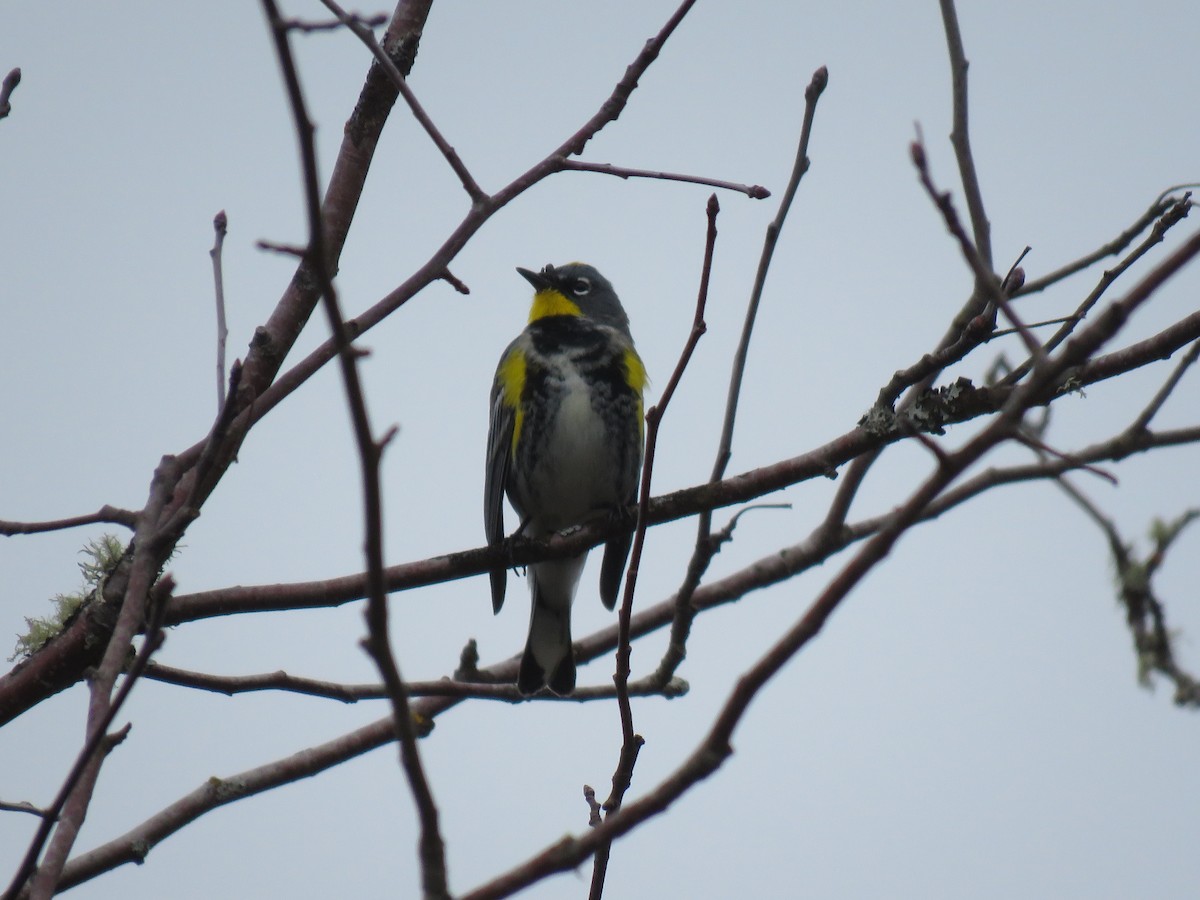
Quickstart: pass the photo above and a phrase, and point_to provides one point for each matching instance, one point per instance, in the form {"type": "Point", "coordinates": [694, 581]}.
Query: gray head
{"type": "Point", "coordinates": [575, 289]}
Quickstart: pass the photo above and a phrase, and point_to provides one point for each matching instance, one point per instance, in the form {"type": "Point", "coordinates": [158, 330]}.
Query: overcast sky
{"type": "Point", "coordinates": [969, 723]}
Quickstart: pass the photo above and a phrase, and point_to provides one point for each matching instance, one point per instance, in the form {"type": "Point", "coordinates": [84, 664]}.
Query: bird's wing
{"type": "Point", "coordinates": [499, 450]}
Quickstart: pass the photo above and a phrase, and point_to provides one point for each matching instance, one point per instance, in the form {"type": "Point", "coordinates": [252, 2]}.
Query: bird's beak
{"type": "Point", "coordinates": [540, 280]}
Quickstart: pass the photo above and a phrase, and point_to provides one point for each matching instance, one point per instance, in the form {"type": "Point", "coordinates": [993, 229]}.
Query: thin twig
{"type": "Point", "coordinates": [631, 743]}
{"type": "Point", "coordinates": [307, 27]}
{"type": "Point", "coordinates": [220, 226]}
{"type": "Point", "coordinates": [975, 319]}
{"type": "Point", "coordinates": [1174, 214]}
{"type": "Point", "coordinates": [451, 279]}
{"type": "Point", "coordinates": [589, 796]}
{"type": "Point", "coordinates": [230, 685]}
{"type": "Point", "coordinates": [64, 661]}
{"type": "Point", "coordinates": [753, 191]}
{"type": "Point", "coordinates": [987, 285]}
{"type": "Point", "coordinates": [741, 488]}
{"type": "Point", "coordinates": [1111, 248]}
{"type": "Point", "coordinates": [481, 211]}
{"type": "Point", "coordinates": [154, 531]}
{"type": "Point", "coordinates": [1146, 415]}
{"type": "Point", "coordinates": [773, 568]}
{"type": "Point", "coordinates": [716, 746]}
{"type": "Point", "coordinates": [705, 548]}
{"type": "Point", "coordinates": [294, 250]}
{"type": "Point", "coordinates": [23, 806]}
{"type": "Point", "coordinates": [1035, 443]}
{"type": "Point", "coordinates": [11, 80]}
{"type": "Point", "coordinates": [432, 847]}
{"type": "Point", "coordinates": [924, 370]}
{"type": "Point", "coordinates": [282, 386]}
{"type": "Point", "coordinates": [106, 514]}
{"type": "Point", "coordinates": [1004, 332]}
{"type": "Point", "coordinates": [1153, 641]}
{"type": "Point", "coordinates": [960, 138]}
{"type": "Point", "coordinates": [812, 94]}
{"type": "Point", "coordinates": [972, 326]}
{"type": "Point", "coordinates": [364, 34]}
{"type": "Point", "coordinates": [86, 766]}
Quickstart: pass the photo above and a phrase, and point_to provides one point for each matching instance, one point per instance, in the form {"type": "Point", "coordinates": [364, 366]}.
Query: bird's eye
{"type": "Point", "coordinates": [581, 287]}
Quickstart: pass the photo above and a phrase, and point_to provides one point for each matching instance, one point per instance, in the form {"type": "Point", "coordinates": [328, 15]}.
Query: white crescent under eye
{"type": "Point", "coordinates": [581, 287]}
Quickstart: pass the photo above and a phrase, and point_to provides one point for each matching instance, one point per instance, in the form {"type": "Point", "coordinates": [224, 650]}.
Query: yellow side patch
{"type": "Point", "coordinates": [552, 303]}
{"type": "Point", "coordinates": [635, 371]}
{"type": "Point", "coordinates": [635, 377]}
{"type": "Point", "coordinates": [512, 382]}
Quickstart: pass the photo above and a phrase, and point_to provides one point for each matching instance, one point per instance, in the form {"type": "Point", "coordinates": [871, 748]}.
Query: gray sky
{"type": "Point", "coordinates": [968, 724]}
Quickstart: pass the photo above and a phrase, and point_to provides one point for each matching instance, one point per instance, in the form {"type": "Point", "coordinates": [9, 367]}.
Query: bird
{"type": "Point", "coordinates": [565, 442]}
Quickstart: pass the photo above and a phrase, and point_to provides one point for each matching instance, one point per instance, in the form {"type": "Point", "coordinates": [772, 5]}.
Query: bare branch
{"type": "Point", "coordinates": [1152, 639]}
{"type": "Point", "coordinates": [70, 804]}
{"type": "Point", "coordinates": [282, 249]}
{"type": "Point", "coordinates": [153, 532]}
{"type": "Point", "coordinates": [450, 279]}
{"type": "Point", "coordinates": [705, 547]}
{"type": "Point", "coordinates": [214, 792]}
{"type": "Point", "coordinates": [631, 743]}
{"type": "Point", "coordinates": [822, 461]}
{"type": "Point", "coordinates": [987, 285]}
{"type": "Point", "coordinates": [812, 94]}
{"type": "Point", "coordinates": [11, 80]}
{"type": "Point", "coordinates": [716, 745]}
{"type": "Point", "coordinates": [230, 685]}
{"type": "Point", "coordinates": [975, 318]}
{"type": "Point", "coordinates": [960, 138]}
{"type": "Point", "coordinates": [480, 212]}
{"type": "Point", "coordinates": [106, 514]}
{"type": "Point", "coordinates": [307, 27]}
{"type": "Point", "coordinates": [753, 191]}
{"type": "Point", "coordinates": [23, 806]}
{"type": "Point", "coordinates": [1003, 332]}
{"type": "Point", "coordinates": [589, 795]}
{"type": "Point", "coordinates": [433, 856]}
{"type": "Point", "coordinates": [1173, 216]}
{"type": "Point", "coordinates": [770, 569]}
{"type": "Point", "coordinates": [220, 223]}
{"type": "Point", "coordinates": [134, 845]}
{"type": "Point", "coordinates": [1172, 382]}
{"type": "Point", "coordinates": [1111, 248]}
{"type": "Point", "coordinates": [1035, 443]}
{"type": "Point", "coordinates": [364, 34]}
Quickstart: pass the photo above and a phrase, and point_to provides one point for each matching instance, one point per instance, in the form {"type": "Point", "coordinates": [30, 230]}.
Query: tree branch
{"type": "Point", "coordinates": [229, 685]}
{"type": "Point", "coordinates": [364, 34]}
{"type": "Point", "coordinates": [753, 191]}
{"type": "Point", "coordinates": [105, 514]}
{"type": "Point", "coordinates": [11, 80]}
{"type": "Point", "coordinates": [220, 225]}
{"type": "Point", "coordinates": [960, 138]}
{"type": "Point", "coordinates": [631, 743]}
{"type": "Point", "coordinates": [569, 852]}
{"type": "Point", "coordinates": [741, 488]}
{"type": "Point", "coordinates": [70, 804]}
{"type": "Point", "coordinates": [433, 854]}
{"type": "Point", "coordinates": [771, 569]}
{"type": "Point", "coordinates": [1111, 248]}
{"type": "Point", "coordinates": [1175, 214]}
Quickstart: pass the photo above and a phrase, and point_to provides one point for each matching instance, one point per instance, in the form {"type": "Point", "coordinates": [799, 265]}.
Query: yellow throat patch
{"type": "Point", "coordinates": [552, 303]}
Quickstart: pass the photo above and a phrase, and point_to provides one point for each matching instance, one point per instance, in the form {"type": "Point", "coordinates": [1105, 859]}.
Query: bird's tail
{"type": "Point", "coordinates": [549, 659]}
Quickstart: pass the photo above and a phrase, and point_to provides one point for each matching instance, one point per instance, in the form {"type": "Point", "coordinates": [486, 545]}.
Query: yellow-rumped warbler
{"type": "Point", "coordinates": [565, 444]}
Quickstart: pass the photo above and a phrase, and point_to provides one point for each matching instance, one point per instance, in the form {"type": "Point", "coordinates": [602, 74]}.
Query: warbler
{"type": "Point", "coordinates": [565, 444]}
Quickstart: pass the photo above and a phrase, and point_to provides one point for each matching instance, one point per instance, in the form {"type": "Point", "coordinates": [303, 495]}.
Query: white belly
{"type": "Point", "coordinates": [578, 478]}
